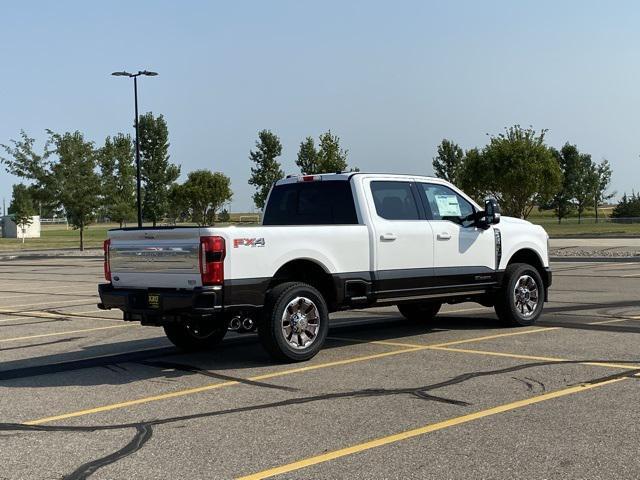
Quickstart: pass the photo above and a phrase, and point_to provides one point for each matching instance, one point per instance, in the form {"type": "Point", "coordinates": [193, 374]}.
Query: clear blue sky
{"type": "Point", "coordinates": [390, 78]}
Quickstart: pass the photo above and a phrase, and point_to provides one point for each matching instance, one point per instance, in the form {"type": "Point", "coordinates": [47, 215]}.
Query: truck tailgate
{"type": "Point", "coordinates": [155, 258]}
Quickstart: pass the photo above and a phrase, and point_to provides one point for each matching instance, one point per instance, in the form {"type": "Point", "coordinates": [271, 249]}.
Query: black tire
{"type": "Point", "coordinates": [271, 328]}
{"type": "Point", "coordinates": [195, 336]}
{"type": "Point", "coordinates": [420, 312]}
{"type": "Point", "coordinates": [511, 306]}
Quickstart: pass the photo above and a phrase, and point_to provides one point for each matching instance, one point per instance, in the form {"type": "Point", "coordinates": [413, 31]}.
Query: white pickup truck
{"type": "Point", "coordinates": [328, 242]}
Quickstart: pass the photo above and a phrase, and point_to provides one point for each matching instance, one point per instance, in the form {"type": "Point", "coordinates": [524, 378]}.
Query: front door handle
{"type": "Point", "coordinates": [444, 236]}
{"type": "Point", "coordinates": [388, 237]}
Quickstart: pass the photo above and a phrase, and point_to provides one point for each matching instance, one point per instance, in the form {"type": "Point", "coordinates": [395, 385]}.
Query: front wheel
{"type": "Point", "coordinates": [520, 300]}
{"type": "Point", "coordinates": [195, 335]}
{"type": "Point", "coordinates": [294, 322]}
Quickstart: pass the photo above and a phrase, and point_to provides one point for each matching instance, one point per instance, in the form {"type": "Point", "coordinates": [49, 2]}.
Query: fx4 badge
{"type": "Point", "coordinates": [248, 242]}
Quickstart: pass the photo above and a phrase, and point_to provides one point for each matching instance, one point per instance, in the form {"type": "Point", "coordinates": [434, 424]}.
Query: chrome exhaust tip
{"type": "Point", "coordinates": [234, 324]}
{"type": "Point", "coordinates": [248, 324]}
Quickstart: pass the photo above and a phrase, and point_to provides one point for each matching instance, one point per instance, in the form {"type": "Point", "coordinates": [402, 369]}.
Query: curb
{"type": "Point", "coordinates": [595, 259]}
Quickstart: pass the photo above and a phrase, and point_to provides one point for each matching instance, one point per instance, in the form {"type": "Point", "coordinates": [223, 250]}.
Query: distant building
{"type": "Point", "coordinates": [11, 230]}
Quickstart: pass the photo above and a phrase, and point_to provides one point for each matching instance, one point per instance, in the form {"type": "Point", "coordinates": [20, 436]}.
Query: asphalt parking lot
{"type": "Point", "coordinates": [83, 394]}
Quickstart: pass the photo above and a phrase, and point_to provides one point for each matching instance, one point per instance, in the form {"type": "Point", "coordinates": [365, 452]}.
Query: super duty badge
{"type": "Point", "coordinates": [248, 242]}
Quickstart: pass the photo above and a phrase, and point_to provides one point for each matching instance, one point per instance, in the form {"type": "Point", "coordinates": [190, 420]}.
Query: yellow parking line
{"type": "Point", "coordinates": [498, 335]}
{"type": "Point", "coordinates": [500, 354]}
{"type": "Point", "coordinates": [460, 310]}
{"type": "Point", "coordinates": [213, 386]}
{"type": "Point", "coordinates": [377, 342]}
{"type": "Point", "coordinates": [4, 310]}
{"type": "Point", "coordinates": [40, 291]}
{"type": "Point", "coordinates": [534, 357]}
{"type": "Point", "coordinates": [179, 393]}
{"type": "Point", "coordinates": [41, 314]}
{"type": "Point", "coordinates": [66, 332]}
{"type": "Point", "coordinates": [325, 457]}
{"type": "Point", "coordinates": [617, 320]}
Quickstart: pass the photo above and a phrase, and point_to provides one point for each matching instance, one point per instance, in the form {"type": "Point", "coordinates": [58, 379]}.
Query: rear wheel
{"type": "Point", "coordinates": [195, 335]}
{"type": "Point", "coordinates": [420, 312]}
{"type": "Point", "coordinates": [294, 322]}
{"type": "Point", "coordinates": [520, 300]}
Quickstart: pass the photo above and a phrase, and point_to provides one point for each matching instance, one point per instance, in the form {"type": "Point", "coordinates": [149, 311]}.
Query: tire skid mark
{"type": "Point", "coordinates": [142, 436]}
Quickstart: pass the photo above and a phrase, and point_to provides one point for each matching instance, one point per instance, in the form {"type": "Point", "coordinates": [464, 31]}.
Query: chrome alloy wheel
{"type": "Point", "coordinates": [525, 295]}
{"type": "Point", "coordinates": [300, 323]}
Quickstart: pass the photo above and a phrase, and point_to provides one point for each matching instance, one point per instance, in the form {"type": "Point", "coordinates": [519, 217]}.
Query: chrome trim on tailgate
{"type": "Point", "coordinates": [174, 258]}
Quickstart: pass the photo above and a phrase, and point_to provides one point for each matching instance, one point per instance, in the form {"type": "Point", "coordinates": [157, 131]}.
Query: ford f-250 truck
{"type": "Point", "coordinates": [328, 242]}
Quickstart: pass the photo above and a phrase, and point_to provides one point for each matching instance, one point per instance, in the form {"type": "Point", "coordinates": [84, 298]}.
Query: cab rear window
{"type": "Point", "coordinates": [311, 203]}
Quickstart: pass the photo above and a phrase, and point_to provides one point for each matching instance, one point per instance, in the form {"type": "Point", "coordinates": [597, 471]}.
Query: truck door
{"type": "Point", "coordinates": [403, 239]}
{"type": "Point", "coordinates": [464, 255]}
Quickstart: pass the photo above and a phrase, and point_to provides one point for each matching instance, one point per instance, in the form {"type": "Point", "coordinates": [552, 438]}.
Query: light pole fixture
{"type": "Point", "coordinates": [135, 76]}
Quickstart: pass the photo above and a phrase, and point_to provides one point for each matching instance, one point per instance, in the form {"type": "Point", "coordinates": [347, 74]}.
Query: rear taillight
{"type": "Point", "coordinates": [107, 268]}
{"type": "Point", "coordinates": [212, 251]}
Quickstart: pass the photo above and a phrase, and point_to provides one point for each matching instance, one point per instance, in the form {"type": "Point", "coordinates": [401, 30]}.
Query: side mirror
{"type": "Point", "coordinates": [491, 211]}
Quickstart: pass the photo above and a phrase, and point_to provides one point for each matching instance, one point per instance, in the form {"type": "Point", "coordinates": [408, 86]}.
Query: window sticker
{"type": "Point", "coordinates": [448, 205]}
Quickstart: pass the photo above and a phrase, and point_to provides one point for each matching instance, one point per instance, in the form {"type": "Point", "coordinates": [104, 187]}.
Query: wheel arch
{"type": "Point", "coordinates": [531, 257]}
{"type": "Point", "coordinates": [308, 271]}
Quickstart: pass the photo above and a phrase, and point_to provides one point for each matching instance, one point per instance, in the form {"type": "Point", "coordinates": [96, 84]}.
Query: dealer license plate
{"type": "Point", "coordinates": [153, 300]}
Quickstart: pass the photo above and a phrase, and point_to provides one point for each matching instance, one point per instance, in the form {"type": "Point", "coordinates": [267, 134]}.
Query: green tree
{"type": "Point", "coordinates": [157, 173]}
{"type": "Point", "coordinates": [24, 162]}
{"type": "Point", "coordinates": [627, 207]}
{"type": "Point", "coordinates": [76, 181]}
{"type": "Point", "coordinates": [205, 193]}
{"type": "Point", "coordinates": [448, 162]}
{"type": "Point", "coordinates": [117, 176]}
{"type": "Point", "coordinates": [21, 207]}
{"type": "Point", "coordinates": [224, 216]}
{"type": "Point", "coordinates": [267, 169]}
{"type": "Point", "coordinates": [465, 176]}
{"type": "Point", "coordinates": [178, 209]}
{"type": "Point", "coordinates": [331, 157]}
{"type": "Point", "coordinates": [603, 171]}
{"type": "Point", "coordinates": [307, 157]}
{"type": "Point", "coordinates": [562, 202]}
{"type": "Point", "coordinates": [586, 183]}
{"type": "Point", "coordinates": [517, 169]}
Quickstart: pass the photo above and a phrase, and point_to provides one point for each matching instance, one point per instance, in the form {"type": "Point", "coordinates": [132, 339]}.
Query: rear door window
{"type": "Point", "coordinates": [395, 200]}
{"type": "Point", "coordinates": [311, 203]}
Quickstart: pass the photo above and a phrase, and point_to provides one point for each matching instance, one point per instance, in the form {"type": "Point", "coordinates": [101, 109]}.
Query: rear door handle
{"type": "Point", "coordinates": [444, 236]}
{"type": "Point", "coordinates": [388, 237]}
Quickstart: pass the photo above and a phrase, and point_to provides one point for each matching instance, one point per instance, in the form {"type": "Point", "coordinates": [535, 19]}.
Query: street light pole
{"type": "Point", "coordinates": [138, 181]}
{"type": "Point", "coordinates": [135, 97]}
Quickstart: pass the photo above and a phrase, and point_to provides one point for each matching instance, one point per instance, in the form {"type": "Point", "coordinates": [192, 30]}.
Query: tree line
{"type": "Point", "coordinates": [522, 172]}
{"type": "Point", "coordinates": [73, 177]}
